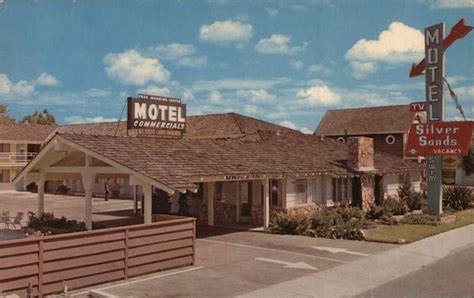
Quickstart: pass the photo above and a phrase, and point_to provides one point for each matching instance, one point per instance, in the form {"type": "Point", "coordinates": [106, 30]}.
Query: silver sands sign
{"type": "Point", "coordinates": [156, 112]}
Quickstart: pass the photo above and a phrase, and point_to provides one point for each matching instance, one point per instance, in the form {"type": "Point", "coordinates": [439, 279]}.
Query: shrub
{"type": "Point", "coordinates": [349, 212]}
{"type": "Point", "coordinates": [337, 225]}
{"type": "Point", "coordinates": [293, 223]}
{"type": "Point", "coordinates": [414, 200]}
{"type": "Point", "coordinates": [395, 207]}
{"type": "Point", "coordinates": [160, 202]}
{"type": "Point", "coordinates": [421, 219]}
{"type": "Point", "coordinates": [48, 224]}
{"type": "Point", "coordinates": [457, 197]}
{"type": "Point", "coordinates": [375, 212]}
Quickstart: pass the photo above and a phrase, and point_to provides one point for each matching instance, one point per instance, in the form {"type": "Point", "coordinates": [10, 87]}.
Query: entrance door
{"type": "Point", "coordinates": [356, 192]}
{"type": "Point", "coordinates": [245, 201]}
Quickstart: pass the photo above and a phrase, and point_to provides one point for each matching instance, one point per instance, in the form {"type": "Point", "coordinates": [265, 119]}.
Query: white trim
{"type": "Point", "coordinates": [115, 164]}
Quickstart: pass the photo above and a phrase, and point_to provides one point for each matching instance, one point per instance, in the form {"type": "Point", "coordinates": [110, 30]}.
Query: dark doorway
{"type": "Point", "coordinates": [378, 190]}
{"type": "Point", "coordinates": [356, 192]}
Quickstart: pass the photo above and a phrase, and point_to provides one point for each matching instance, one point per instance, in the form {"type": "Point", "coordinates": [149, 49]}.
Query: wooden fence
{"type": "Point", "coordinates": [87, 258]}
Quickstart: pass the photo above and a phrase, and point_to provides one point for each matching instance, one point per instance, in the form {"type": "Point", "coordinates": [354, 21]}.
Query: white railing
{"type": "Point", "coordinates": [16, 157]}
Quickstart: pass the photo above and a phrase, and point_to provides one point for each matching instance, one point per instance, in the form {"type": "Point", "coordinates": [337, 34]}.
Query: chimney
{"type": "Point", "coordinates": [361, 153]}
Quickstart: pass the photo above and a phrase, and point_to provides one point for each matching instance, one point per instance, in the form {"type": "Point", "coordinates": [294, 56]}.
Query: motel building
{"type": "Point", "coordinates": [19, 144]}
{"type": "Point", "coordinates": [230, 169]}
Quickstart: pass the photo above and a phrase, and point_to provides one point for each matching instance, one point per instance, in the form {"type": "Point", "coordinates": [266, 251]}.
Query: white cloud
{"type": "Point", "coordinates": [215, 96]}
{"type": "Point", "coordinates": [278, 44]}
{"type": "Point", "coordinates": [306, 130]}
{"type": "Point", "coordinates": [95, 92]}
{"type": "Point", "coordinates": [187, 95]}
{"type": "Point", "coordinates": [361, 70]}
{"type": "Point", "coordinates": [272, 11]}
{"type": "Point", "coordinates": [296, 64]}
{"type": "Point", "coordinates": [192, 61]}
{"type": "Point", "coordinates": [226, 31]}
{"type": "Point", "coordinates": [317, 96]}
{"type": "Point", "coordinates": [5, 84]}
{"type": "Point", "coordinates": [253, 109]}
{"type": "Point", "coordinates": [155, 90]}
{"type": "Point", "coordinates": [237, 84]}
{"type": "Point", "coordinates": [399, 43]}
{"type": "Point", "coordinates": [288, 124]}
{"type": "Point", "coordinates": [131, 68]}
{"type": "Point", "coordinates": [466, 91]}
{"type": "Point", "coordinates": [47, 80]}
{"type": "Point", "coordinates": [173, 51]}
{"type": "Point", "coordinates": [21, 88]}
{"type": "Point", "coordinates": [451, 4]}
{"type": "Point", "coordinates": [80, 119]}
{"type": "Point", "coordinates": [319, 69]}
{"type": "Point", "coordinates": [256, 95]}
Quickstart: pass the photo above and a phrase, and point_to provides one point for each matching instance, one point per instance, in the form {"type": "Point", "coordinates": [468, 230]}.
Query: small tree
{"type": "Point", "coordinates": [43, 118]}
{"type": "Point", "coordinates": [4, 113]}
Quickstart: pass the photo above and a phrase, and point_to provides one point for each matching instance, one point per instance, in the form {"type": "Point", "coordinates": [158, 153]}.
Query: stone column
{"type": "Point", "coordinates": [266, 204]}
{"type": "Point", "coordinates": [367, 191]}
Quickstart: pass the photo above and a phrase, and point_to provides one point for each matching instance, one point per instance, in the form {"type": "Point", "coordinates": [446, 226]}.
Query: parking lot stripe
{"type": "Point", "coordinates": [272, 249]}
{"type": "Point", "coordinates": [138, 280]}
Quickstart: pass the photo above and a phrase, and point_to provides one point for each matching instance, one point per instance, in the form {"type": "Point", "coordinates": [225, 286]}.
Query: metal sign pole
{"type": "Point", "coordinates": [434, 74]}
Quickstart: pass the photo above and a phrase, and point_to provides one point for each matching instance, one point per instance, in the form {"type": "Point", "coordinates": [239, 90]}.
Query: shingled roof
{"type": "Point", "coordinates": [21, 132]}
{"type": "Point", "coordinates": [363, 121]}
{"type": "Point", "coordinates": [178, 164]}
{"type": "Point", "coordinates": [229, 125]}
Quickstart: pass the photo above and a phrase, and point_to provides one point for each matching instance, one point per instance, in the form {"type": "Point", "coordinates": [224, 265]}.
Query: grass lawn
{"type": "Point", "coordinates": [412, 233]}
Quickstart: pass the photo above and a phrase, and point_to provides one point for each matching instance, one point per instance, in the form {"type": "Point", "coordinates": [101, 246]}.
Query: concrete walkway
{"type": "Point", "coordinates": [362, 275]}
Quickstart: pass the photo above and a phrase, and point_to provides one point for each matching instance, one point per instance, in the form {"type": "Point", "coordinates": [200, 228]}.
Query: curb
{"type": "Point", "coordinates": [362, 275]}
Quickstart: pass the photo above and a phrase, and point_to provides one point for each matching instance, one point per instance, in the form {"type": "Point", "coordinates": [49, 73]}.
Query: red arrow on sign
{"type": "Point", "coordinates": [457, 32]}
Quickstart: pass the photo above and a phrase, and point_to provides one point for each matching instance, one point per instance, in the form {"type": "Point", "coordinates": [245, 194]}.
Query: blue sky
{"type": "Point", "coordinates": [284, 61]}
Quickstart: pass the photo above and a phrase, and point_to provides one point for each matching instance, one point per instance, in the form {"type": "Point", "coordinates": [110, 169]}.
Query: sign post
{"type": "Point", "coordinates": [434, 73]}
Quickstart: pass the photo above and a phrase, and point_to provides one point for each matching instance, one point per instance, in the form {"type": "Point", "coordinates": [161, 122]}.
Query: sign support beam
{"type": "Point", "coordinates": [434, 74]}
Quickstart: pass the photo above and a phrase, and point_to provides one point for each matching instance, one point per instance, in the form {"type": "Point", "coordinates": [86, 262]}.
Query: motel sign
{"type": "Point", "coordinates": [439, 138]}
{"type": "Point", "coordinates": [156, 113]}
{"type": "Point", "coordinates": [436, 138]}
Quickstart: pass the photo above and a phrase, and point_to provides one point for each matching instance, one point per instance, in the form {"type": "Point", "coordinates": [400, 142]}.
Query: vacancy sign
{"type": "Point", "coordinates": [439, 138]}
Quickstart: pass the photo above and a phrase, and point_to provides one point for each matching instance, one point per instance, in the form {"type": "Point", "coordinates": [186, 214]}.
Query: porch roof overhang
{"type": "Point", "coordinates": [50, 161]}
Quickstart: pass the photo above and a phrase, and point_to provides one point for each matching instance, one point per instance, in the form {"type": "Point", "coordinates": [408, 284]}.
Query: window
{"type": "Point", "coordinates": [300, 190]}
{"type": "Point", "coordinates": [390, 140]}
{"type": "Point", "coordinates": [275, 199]}
{"type": "Point", "coordinates": [340, 189]}
{"type": "Point", "coordinates": [4, 175]}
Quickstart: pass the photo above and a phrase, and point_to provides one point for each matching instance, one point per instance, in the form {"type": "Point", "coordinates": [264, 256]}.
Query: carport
{"type": "Point", "coordinates": [61, 159]}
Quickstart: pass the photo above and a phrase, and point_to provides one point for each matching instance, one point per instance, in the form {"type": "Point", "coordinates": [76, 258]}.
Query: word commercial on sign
{"type": "Point", "coordinates": [156, 112]}
{"type": "Point", "coordinates": [440, 138]}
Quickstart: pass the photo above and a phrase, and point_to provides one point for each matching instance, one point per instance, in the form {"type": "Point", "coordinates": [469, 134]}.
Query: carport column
{"type": "Point", "coordinates": [147, 214]}
{"type": "Point", "coordinates": [210, 203]}
{"type": "Point", "coordinates": [266, 203]}
{"type": "Point", "coordinates": [41, 181]}
{"type": "Point", "coordinates": [88, 179]}
{"type": "Point", "coordinates": [88, 183]}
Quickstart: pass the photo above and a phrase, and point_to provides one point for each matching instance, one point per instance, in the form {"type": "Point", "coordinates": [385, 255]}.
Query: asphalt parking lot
{"type": "Point", "coordinates": [232, 263]}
